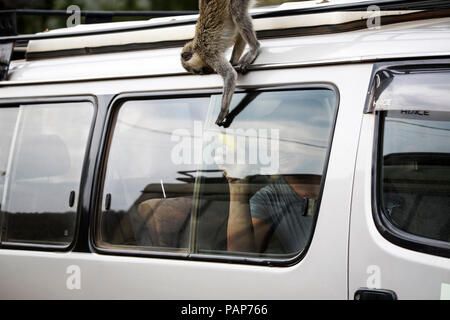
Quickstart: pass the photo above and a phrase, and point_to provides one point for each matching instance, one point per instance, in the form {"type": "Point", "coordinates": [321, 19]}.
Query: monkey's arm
{"type": "Point", "coordinates": [229, 75]}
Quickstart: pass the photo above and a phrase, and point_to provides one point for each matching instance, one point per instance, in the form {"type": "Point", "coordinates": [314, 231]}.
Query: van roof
{"type": "Point", "coordinates": [412, 39]}
{"type": "Point", "coordinates": [173, 36]}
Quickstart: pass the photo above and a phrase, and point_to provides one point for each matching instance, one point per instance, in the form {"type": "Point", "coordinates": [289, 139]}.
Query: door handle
{"type": "Point", "coordinates": [108, 202]}
{"type": "Point", "coordinates": [375, 294]}
{"type": "Point", "coordinates": [71, 198]}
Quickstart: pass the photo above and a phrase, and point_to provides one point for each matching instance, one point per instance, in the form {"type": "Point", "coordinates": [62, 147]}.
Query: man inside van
{"type": "Point", "coordinates": [276, 219]}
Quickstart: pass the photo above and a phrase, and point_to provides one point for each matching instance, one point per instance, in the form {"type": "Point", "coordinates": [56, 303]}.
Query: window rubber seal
{"type": "Point", "coordinates": [81, 207]}
{"type": "Point", "coordinates": [385, 227]}
{"type": "Point", "coordinates": [221, 258]}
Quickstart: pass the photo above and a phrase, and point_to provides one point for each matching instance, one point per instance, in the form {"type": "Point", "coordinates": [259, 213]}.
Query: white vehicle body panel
{"type": "Point", "coordinates": [345, 243]}
{"type": "Point", "coordinates": [410, 274]}
{"type": "Point", "coordinates": [410, 39]}
{"type": "Point", "coordinates": [321, 274]}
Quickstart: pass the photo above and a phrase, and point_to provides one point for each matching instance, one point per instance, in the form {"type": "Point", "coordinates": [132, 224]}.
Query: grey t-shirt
{"type": "Point", "coordinates": [280, 206]}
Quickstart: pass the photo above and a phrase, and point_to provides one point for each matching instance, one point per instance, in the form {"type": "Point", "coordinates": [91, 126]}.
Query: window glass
{"type": "Point", "coordinates": [43, 173]}
{"type": "Point", "coordinates": [416, 172]}
{"type": "Point", "coordinates": [147, 195]}
{"type": "Point", "coordinates": [273, 154]}
{"type": "Point", "coordinates": [176, 182]}
{"type": "Point", "coordinates": [8, 117]}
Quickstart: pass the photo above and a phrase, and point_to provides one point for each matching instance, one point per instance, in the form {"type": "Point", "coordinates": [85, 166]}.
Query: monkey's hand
{"type": "Point", "coordinates": [221, 119]}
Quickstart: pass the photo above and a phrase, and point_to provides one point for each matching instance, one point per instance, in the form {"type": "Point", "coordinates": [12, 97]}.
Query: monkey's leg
{"type": "Point", "coordinates": [229, 75]}
{"type": "Point", "coordinates": [244, 25]}
{"type": "Point", "coordinates": [239, 46]}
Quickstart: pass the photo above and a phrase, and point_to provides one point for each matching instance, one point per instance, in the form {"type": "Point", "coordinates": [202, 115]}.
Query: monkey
{"type": "Point", "coordinates": [222, 24]}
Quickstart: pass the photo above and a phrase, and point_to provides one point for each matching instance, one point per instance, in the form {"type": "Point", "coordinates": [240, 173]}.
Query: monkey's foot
{"type": "Point", "coordinates": [247, 60]}
{"type": "Point", "coordinates": [242, 69]}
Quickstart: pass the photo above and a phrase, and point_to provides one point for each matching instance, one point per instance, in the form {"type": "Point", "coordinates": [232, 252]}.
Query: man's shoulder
{"type": "Point", "coordinates": [267, 192]}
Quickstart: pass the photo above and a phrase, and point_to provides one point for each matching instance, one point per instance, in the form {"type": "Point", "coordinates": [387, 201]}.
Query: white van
{"type": "Point", "coordinates": [112, 178]}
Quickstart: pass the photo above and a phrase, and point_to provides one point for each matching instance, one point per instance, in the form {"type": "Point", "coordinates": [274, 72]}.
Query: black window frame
{"type": "Point", "coordinates": [96, 204]}
{"type": "Point", "coordinates": [81, 199]}
{"type": "Point", "coordinates": [385, 227]}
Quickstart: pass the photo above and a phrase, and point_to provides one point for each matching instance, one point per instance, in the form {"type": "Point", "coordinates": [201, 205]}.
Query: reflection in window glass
{"type": "Point", "coordinates": [175, 182]}
{"type": "Point", "coordinates": [8, 117]}
{"type": "Point", "coordinates": [148, 183]}
{"type": "Point", "coordinates": [45, 166]}
{"type": "Point", "coordinates": [273, 154]}
{"type": "Point", "coordinates": [416, 172]}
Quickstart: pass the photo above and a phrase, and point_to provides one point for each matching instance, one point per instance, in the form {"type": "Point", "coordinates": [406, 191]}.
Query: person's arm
{"type": "Point", "coordinates": [240, 234]}
{"type": "Point", "coordinates": [262, 232]}
{"type": "Point", "coordinates": [245, 233]}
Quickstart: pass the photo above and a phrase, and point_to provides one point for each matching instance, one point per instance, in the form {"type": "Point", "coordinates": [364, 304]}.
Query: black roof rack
{"type": "Point", "coordinates": [8, 21]}
{"type": "Point", "coordinates": [92, 16]}
{"type": "Point", "coordinates": [7, 43]}
{"type": "Point", "coordinates": [8, 18]}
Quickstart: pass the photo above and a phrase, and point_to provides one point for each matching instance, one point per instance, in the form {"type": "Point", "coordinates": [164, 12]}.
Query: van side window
{"type": "Point", "coordinates": [416, 172]}
{"type": "Point", "coordinates": [43, 150]}
{"type": "Point", "coordinates": [175, 182]}
{"type": "Point", "coordinates": [147, 198]}
{"type": "Point", "coordinates": [413, 183]}
{"type": "Point", "coordinates": [274, 156]}
{"type": "Point", "coordinates": [8, 117]}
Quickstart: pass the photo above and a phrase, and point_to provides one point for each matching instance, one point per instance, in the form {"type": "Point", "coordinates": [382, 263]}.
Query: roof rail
{"type": "Point", "coordinates": [7, 42]}
{"type": "Point", "coordinates": [384, 5]}
{"type": "Point", "coordinates": [95, 16]}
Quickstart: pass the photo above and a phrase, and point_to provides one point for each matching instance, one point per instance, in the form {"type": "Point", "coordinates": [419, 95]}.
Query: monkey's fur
{"type": "Point", "coordinates": [222, 24]}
